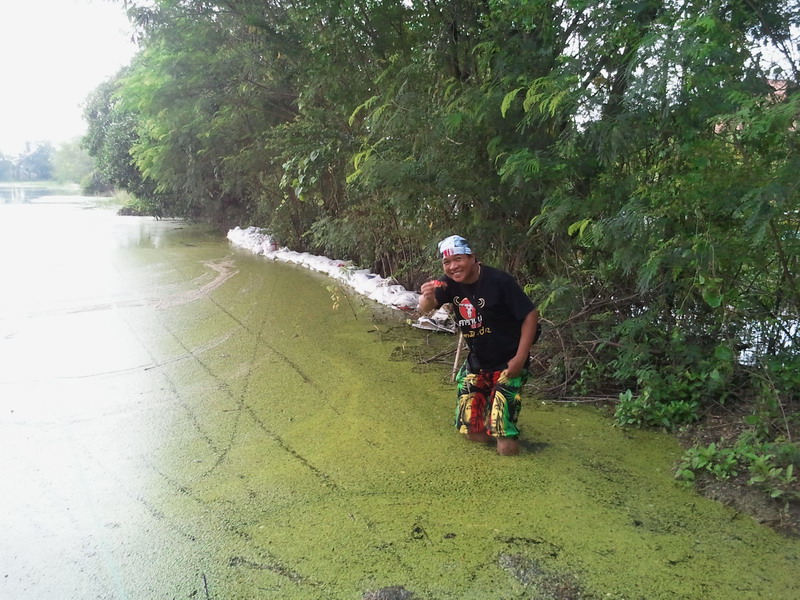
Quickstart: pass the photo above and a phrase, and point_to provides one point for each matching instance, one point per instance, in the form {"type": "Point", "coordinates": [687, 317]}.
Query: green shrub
{"type": "Point", "coordinates": [770, 465]}
{"type": "Point", "coordinates": [720, 462]}
{"type": "Point", "coordinates": [647, 410]}
{"type": "Point", "coordinates": [95, 184]}
{"type": "Point", "coordinates": [135, 207]}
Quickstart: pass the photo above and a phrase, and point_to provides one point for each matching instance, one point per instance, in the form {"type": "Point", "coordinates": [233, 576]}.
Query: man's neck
{"type": "Point", "coordinates": [474, 276]}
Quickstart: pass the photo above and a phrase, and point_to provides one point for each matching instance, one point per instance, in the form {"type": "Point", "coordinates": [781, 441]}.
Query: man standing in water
{"type": "Point", "coordinates": [499, 323]}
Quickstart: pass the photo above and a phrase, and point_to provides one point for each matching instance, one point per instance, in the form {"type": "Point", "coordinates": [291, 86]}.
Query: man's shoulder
{"type": "Point", "coordinates": [507, 285]}
{"type": "Point", "coordinates": [493, 270]}
{"type": "Point", "coordinates": [496, 274]}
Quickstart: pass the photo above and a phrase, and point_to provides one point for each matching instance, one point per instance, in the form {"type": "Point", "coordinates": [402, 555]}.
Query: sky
{"type": "Point", "coordinates": [53, 53]}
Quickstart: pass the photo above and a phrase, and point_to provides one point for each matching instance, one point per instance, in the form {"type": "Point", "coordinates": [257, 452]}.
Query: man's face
{"type": "Point", "coordinates": [462, 268]}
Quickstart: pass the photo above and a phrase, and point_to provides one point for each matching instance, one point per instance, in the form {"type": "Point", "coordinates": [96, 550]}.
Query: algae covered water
{"type": "Point", "coordinates": [184, 420]}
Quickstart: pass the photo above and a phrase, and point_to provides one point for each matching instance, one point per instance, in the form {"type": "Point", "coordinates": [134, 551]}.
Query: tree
{"type": "Point", "coordinates": [72, 163]}
{"type": "Point", "coordinates": [35, 163]}
{"type": "Point", "coordinates": [6, 169]}
{"type": "Point", "coordinates": [112, 131]}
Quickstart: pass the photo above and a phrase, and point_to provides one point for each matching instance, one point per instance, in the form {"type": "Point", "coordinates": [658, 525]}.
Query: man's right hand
{"type": "Point", "coordinates": [429, 287]}
{"type": "Point", "coordinates": [427, 300]}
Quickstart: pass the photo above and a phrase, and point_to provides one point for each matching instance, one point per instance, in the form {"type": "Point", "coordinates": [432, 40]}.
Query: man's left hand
{"type": "Point", "coordinates": [515, 367]}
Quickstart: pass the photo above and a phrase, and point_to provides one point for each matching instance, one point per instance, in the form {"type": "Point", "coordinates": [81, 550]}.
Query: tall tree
{"type": "Point", "coordinates": [35, 163]}
{"type": "Point", "coordinates": [111, 133]}
{"type": "Point", "coordinates": [72, 163]}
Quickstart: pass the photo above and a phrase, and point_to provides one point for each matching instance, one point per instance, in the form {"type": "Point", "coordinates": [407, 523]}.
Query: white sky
{"type": "Point", "coordinates": [53, 53]}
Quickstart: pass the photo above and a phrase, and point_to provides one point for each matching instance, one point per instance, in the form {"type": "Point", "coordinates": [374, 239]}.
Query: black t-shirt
{"type": "Point", "coordinates": [489, 313]}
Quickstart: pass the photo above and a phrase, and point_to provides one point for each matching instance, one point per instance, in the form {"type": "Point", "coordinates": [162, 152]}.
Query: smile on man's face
{"type": "Point", "coordinates": [462, 268]}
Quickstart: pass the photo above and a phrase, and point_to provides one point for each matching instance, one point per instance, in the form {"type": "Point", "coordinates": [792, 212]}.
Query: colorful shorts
{"type": "Point", "coordinates": [489, 402]}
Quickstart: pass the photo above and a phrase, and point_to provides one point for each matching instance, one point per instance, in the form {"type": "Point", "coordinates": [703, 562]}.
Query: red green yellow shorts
{"type": "Point", "coordinates": [489, 401]}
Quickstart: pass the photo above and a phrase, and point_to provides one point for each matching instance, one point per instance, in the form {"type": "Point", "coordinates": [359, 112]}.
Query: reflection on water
{"type": "Point", "coordinates": [17, 193]}
{"type": "Point", "coordinates": [61, 222]}
{"type": "Point", "coordinates": [57, 253]}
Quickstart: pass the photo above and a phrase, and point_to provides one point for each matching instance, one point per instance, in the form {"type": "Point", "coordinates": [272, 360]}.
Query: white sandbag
{"type": "Point", "coordinates": [382, 290]}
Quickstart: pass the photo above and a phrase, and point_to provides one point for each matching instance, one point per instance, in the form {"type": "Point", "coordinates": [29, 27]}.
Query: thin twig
{"type": "Point", "coordinates": [442, 354]}
{"type": "Point", "coordinates": [585, 399]}
{"type": "Point", "coordinates": [205, 586]}
{"type": "Point", "coordinates": [459, 347]}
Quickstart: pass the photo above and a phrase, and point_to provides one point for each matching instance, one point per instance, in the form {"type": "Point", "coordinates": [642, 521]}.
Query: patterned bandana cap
{"type": "Point", "coordinates": [453, 245]}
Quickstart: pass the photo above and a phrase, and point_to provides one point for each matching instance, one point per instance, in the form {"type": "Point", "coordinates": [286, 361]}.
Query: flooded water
{"type": "Point", "coordinates": [23, 193]}
{"type": "Point", "coordinates": [180, 419]}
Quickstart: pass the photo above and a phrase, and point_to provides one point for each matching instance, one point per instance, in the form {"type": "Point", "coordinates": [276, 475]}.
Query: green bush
{"type": "Point", "coordinates": [135, 207]}
{"type": "Point", "coordinates": [95, 184]}
{"type": "Point", "coordinates": [720, 462]}
{"type": "Point", "coordinates": [647, 410]}
{"type": "Point", "coordinates": [770, 465]}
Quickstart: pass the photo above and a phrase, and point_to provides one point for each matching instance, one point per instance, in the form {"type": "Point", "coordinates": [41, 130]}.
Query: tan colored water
{"type": "Point", "coordinates": [182, 420]}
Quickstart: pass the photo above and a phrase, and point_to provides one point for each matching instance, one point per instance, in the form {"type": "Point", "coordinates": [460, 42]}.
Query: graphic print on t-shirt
{"type": "Point", "coordinates": [468, 313]}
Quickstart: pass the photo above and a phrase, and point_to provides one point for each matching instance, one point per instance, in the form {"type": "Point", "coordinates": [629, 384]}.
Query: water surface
{"type": "Point", "coordinates": [24, 193]}
{"type": "Point", "coordinates": [180, 419]}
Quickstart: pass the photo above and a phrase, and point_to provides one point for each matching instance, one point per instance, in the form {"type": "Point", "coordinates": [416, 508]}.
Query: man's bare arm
{"type": "Point", "coordinates": [427, 301]}
{"type": "Point", "coordinates": [527, 334]}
